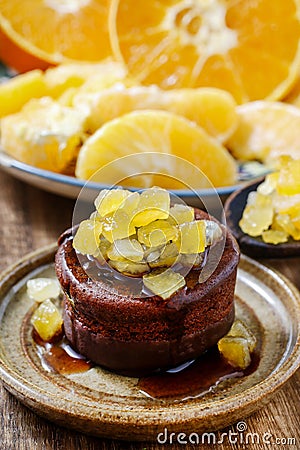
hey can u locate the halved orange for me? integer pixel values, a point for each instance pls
(153, 137)
(17, 58)
(250, 48)
(293, 95)
(58, 30)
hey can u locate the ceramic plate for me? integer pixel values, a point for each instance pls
(104, 404)
(68, 186)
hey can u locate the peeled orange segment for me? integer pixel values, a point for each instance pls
(211, 108)
(82, 81)
(88, 78)
(66, 98)
(56, 81)
(15, 92)
(43, 134)
(250, 49)
(102, 105)
(56, 30)
(60, 78)
(68, 75)
(109, 74)
(160, 133)
(266, 131)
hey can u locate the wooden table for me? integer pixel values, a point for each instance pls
(30, 219)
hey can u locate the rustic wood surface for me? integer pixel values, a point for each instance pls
(30, 219)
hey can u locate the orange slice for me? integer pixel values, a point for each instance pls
(250, 48)
(58, 30)
(15, 92)
(75, 75)
(160, 133)
(211, 108)
(43, 134)
(266, 131)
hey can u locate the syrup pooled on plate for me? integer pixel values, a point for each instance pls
(195, 379)
(190, 380)
(59, 357)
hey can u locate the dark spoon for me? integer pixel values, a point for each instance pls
(254, 246)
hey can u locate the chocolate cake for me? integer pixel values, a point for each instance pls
(135, 335)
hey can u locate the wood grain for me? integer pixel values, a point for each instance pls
(30, 219)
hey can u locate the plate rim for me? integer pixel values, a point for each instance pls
(260, 392)
(8, 163)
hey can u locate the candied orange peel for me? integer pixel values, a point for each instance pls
(142, 234)
(273, 211)
(238, 345)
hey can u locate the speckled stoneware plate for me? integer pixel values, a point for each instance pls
(109, 405)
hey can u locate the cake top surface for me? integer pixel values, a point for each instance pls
(146, 236)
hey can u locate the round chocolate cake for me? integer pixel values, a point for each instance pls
(135, 335)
